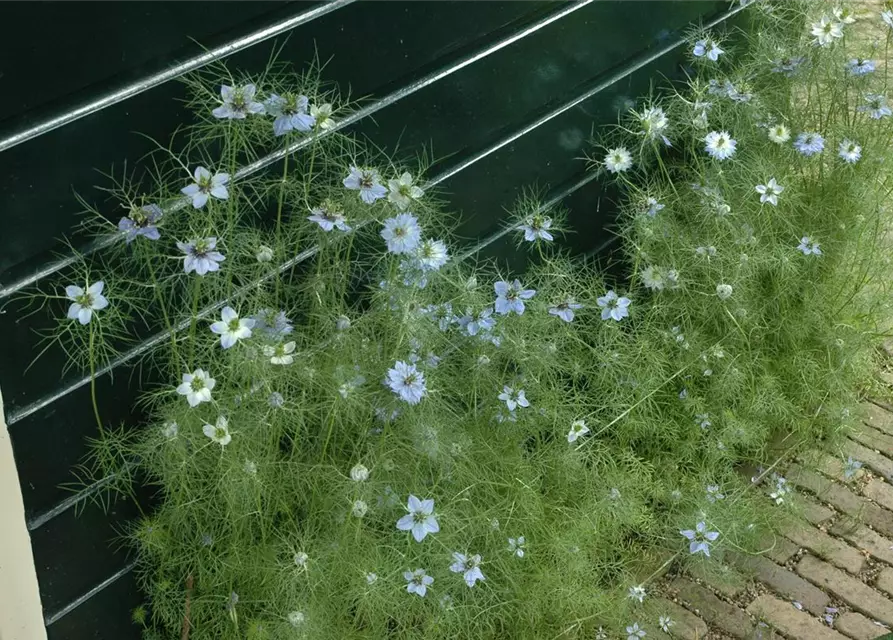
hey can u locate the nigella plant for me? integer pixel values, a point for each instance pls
(353, 413)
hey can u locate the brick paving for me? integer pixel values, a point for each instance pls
(829, 576)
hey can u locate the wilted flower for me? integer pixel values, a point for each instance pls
(618, 160)
(699, 539)
(517, 546)
(578, 428)
(359, 508)
(613, 307)
(513, 398)
(849, 151)
(231, 328)
(851, 467)
(402, 233)
(296, 618)
(141, 222)
(420, 520)
(826, 31)
(301, 560)
(474, 324)
(418, 582)
(724, 291)
(708, 251)
(707, 48)
(367, 182)
(276, 400)
(170, 430)
(652, 206)
(205, 186)
(877, 106)
(431, 255)
(809, 247)
(536, 227)
(219, 432)
(402, 191)
(511, 297)
(371, 578)
(665, 623)
(844, 15)
(809, 143)
(636, 593)
(830, 612)
(196, 387)
(788, 65)
(359, 473)
(407, 382)
(654, 124)
(290, 113)
(781, 489)
(238, 102)
(703, 420)
(769, 192)
(201, 255)
(887, 17)
(274, 325)
(719, 145)
(84, 303)
(565, 310)
(469, 567)
(779, 134)
(264, 254)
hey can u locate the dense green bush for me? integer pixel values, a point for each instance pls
(569, 434)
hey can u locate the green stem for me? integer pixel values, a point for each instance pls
(279, 248)
(196, 291)
(93, 379)
(161, 303)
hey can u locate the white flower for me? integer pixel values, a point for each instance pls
(849, 151)
(618, 160)
(420, 519)
(809, 246)
(844, 15)
(231, 328)
(516, 546)
(359, 508)
(578, 428)
(219, 432)
(636, 593)
(665, 623)
(826, 31)
(296, 618)
(323, 115)
(170, 430)
(779, 134)
(205, 186)
(536, 227)
(654, 124)
(468, 567)
(431, 255)
(402, 191)
(264, 254)
(359, 473)
(196, 387)
(719, 145)
(769, 192)
(707, 48)
(250, 467)
(402, 233)
(513, 399)
(418, 582)
(301, 559)
(887, 17)
(724, 291)
(84, 303)
(280, 354)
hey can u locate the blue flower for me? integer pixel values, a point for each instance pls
(713, 493)
(84, 303)
(809, 247)
(276, 400)
(789, 66)
(407, 382)
(420, 520)
(860, 66)
(877, 106)
(238, 102)
(205, 186)
(613, 307)
(469, 567)
(852, 466)
(536, 227)
(141, 222)
(707, 48)
(201, 255)
(442, 314)
(809, 143)
(700, 539)
(290, 111)
(652, 206)
(367, 182)
(480, 323)
(402, 233)
(511, 297)
(633, 632)
(565, 310)
(273, 324)
(431, 255)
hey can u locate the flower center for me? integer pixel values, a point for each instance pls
(409, 381)
(85, 299)
(234, 325)
(366, 181)
(219, 433)
(197, 384)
